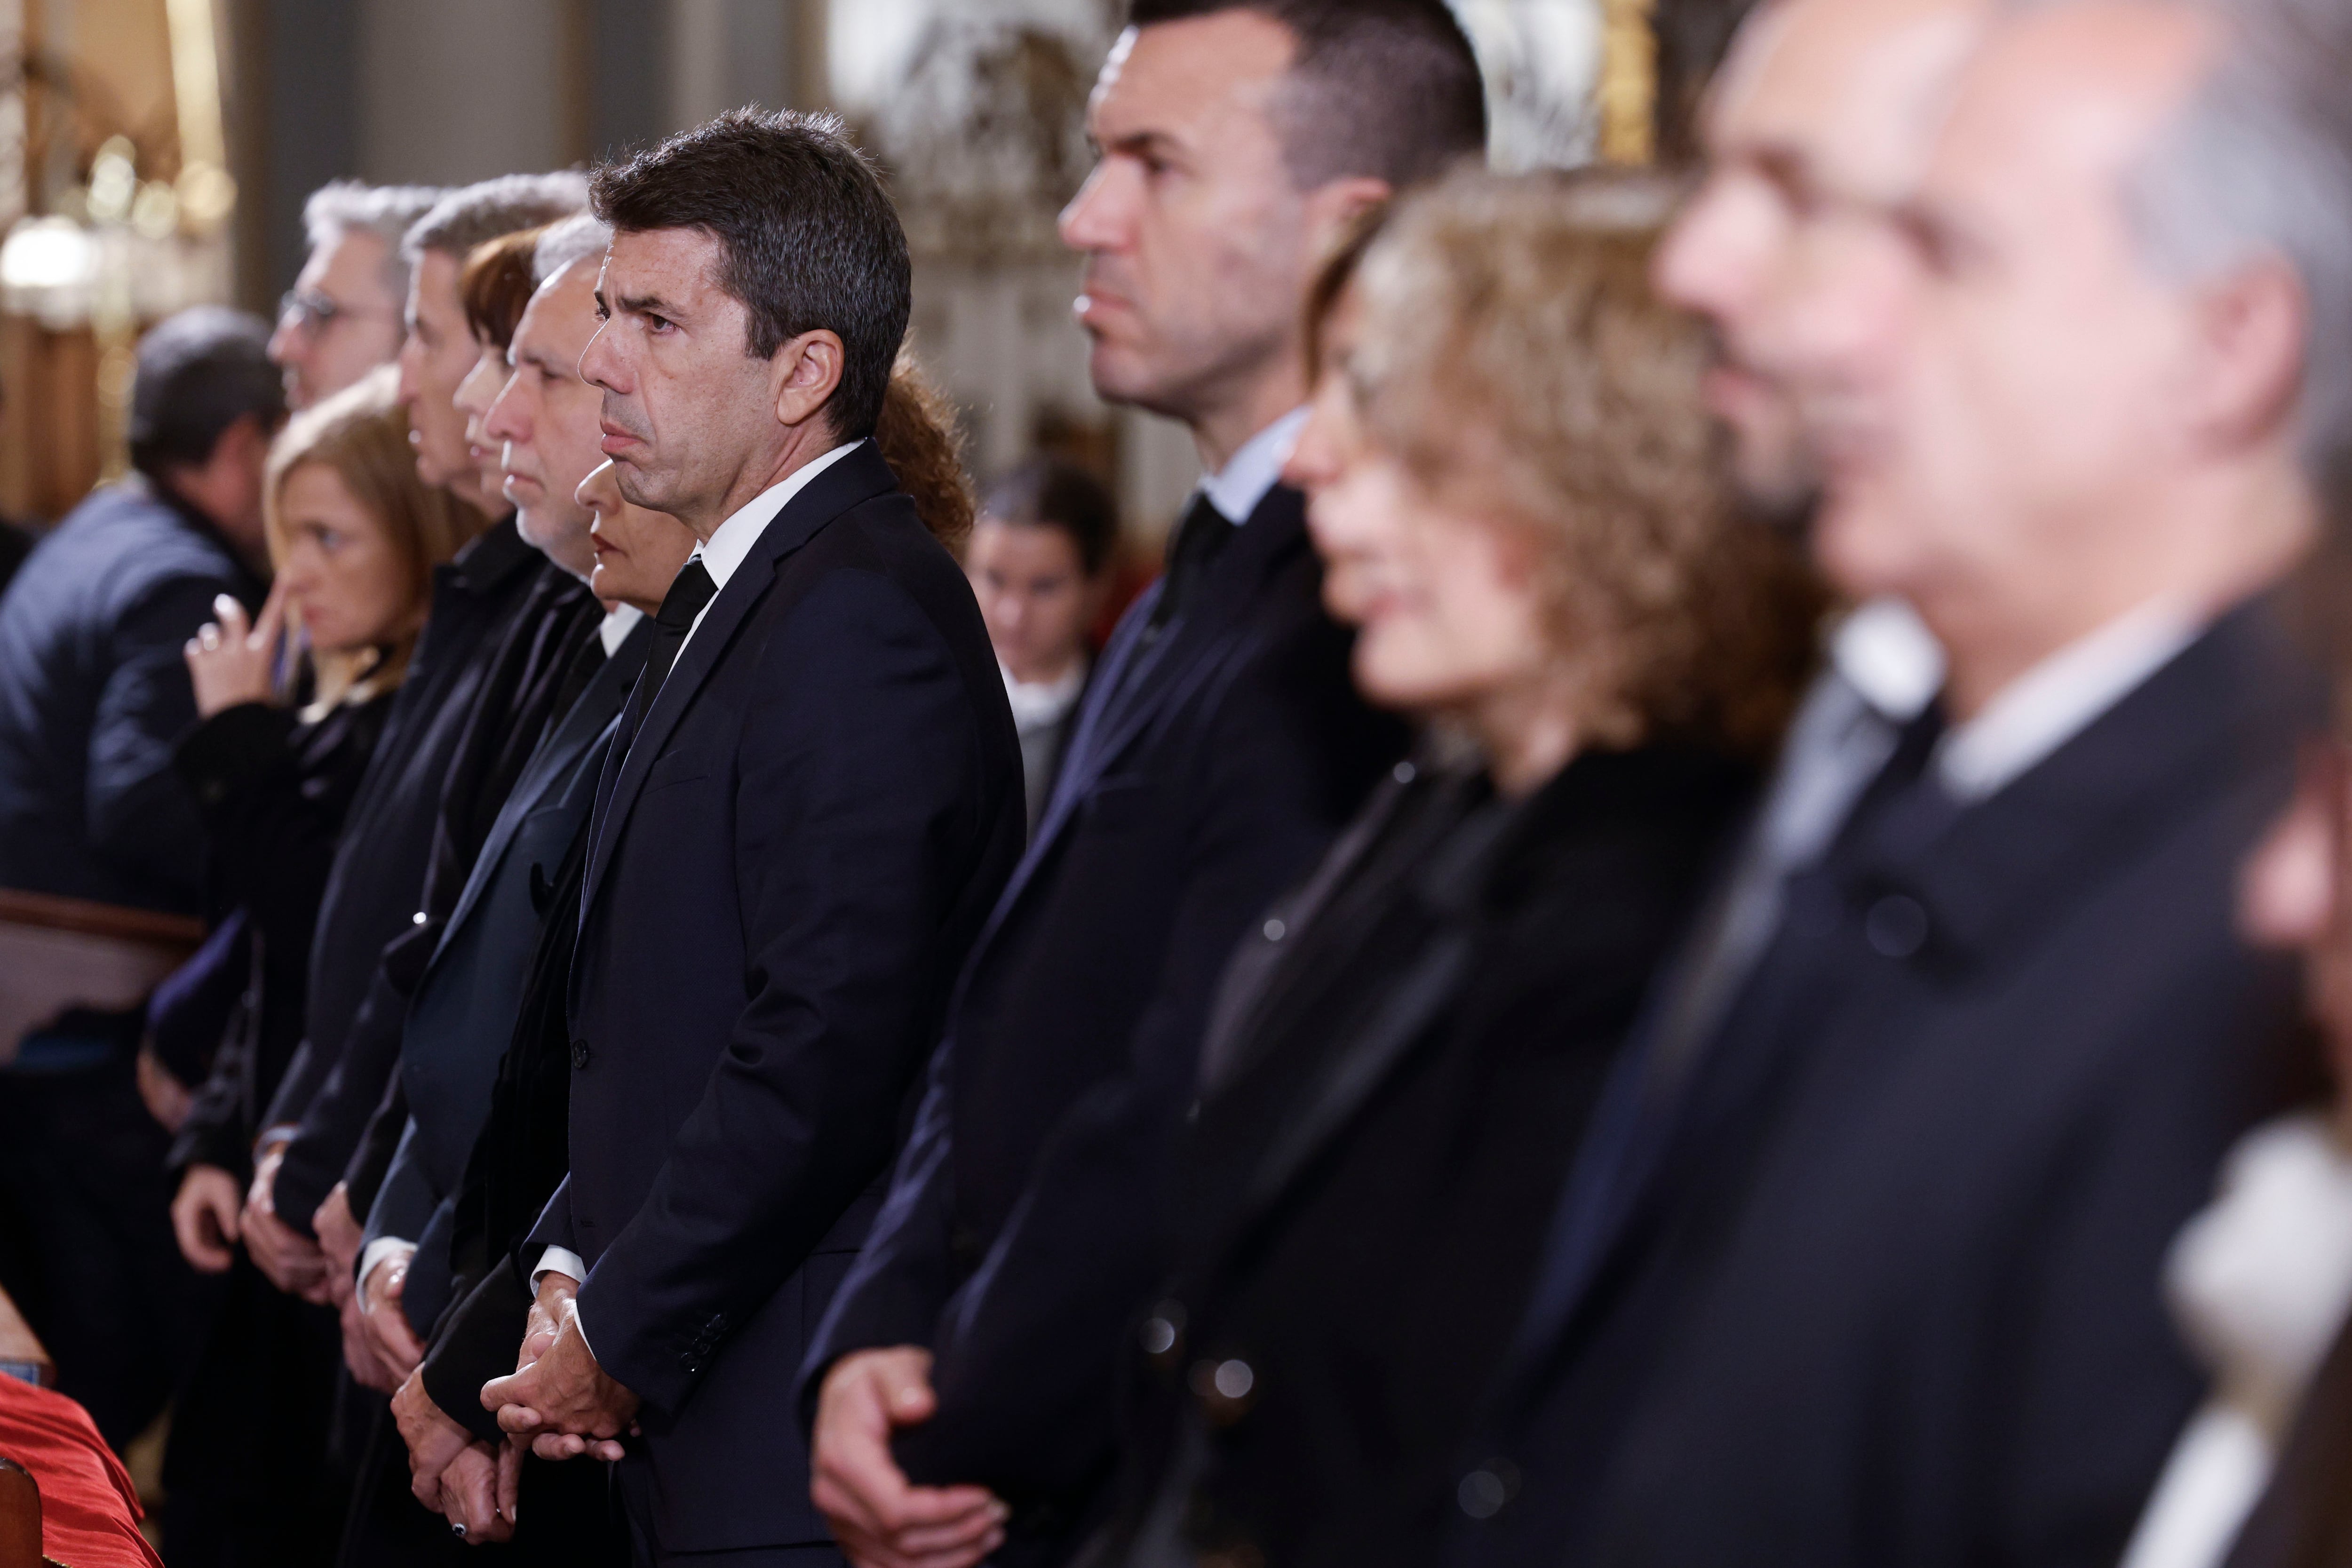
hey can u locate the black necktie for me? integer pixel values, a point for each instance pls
(587, 658)
(688, 593)
(1200, 536)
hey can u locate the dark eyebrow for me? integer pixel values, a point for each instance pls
(541, 360)
(1143, 144)
(644, 305)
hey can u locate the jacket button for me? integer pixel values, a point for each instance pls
(1484, 1490)
(1896, 927)
(1223, 1389)
(579, 1055)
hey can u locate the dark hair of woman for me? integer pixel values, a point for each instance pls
(918, 436)
(497, 283)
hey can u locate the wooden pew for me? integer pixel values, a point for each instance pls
(57, 954)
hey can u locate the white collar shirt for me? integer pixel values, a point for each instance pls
(615, 628)
(2058, 699)
(1236, 488)
(729, 545)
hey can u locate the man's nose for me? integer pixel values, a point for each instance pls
(1092, 219)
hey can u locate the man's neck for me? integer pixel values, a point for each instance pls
(800, 445)
(2229, 537)
(1221, 431)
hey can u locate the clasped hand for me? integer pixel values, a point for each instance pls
(558, 1399)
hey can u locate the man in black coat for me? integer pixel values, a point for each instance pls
(1218, 749)
(812, 804)
(441, 777)
(1887, 1286)
(94, 695)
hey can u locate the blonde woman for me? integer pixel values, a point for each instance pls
(290, 708)
(1513, 484)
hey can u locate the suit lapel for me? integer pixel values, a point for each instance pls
(857, 477)
(1139, 683)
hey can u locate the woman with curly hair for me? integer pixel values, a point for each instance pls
(1515, 489)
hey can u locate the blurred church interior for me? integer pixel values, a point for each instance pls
(156, 153)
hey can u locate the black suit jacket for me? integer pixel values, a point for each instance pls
(465, 1005)
(1403, 1060)
(1897, 1300)
(503, 623)
(1211, 769)
(785, 871)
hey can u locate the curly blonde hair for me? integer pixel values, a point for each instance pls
(1513, 353)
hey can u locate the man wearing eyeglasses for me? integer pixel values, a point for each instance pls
(342, 317)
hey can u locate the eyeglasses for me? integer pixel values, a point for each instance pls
(308, 311)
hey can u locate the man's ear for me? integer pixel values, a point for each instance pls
(1334, 204)
(804, 373)
(2252, 332)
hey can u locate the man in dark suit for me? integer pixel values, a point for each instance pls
(518, 1158)
(812, 804)
(94, 695)
(1879, 1281)
(503, 625)
(471, 990)
(1218, 749)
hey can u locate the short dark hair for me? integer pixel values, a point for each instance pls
(495, 284)
(199, 373)
(1389, 89)
(809, 237)
(1050, 493)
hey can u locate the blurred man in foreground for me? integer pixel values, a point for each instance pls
(1905, 1294)
(342, 317)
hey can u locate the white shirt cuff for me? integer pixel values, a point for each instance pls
(563, 1260)
(376, 1251)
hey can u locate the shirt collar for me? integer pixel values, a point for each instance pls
(1885, 652)
(731, 542)
(2058, 699)
(1237, 488)
(618, 622)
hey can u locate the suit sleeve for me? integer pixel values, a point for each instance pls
(1286, 762)
(139, 816)
(857, 809)
(404, 1201)
(333, 1124)
(901, 1279)
(476, 1341)
(2098, 1381)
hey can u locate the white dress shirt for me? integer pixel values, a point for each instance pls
(1237, 488)
(2260, 1283)
(727, 547)
(2058, 699)
(618, 622)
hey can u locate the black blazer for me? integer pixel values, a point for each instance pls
(1406, 1054)
(785, 871)
(274, 791)
(464, 1014)
(94, 694)
(481, 696)
(1211, 769)
(1897, 1300)
(518, 1160)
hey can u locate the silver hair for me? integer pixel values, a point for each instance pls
(576, 238)
(347, 206)
(2259, 164)
(474, 214)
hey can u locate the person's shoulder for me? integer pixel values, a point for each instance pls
(139, 541)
